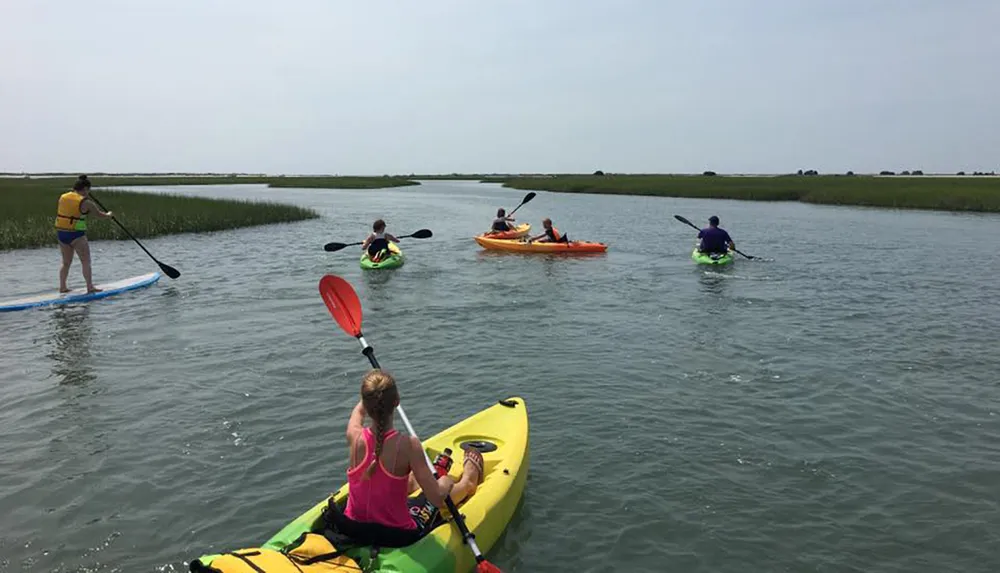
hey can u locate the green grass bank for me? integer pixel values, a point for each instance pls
(969, 193)
(28, 207)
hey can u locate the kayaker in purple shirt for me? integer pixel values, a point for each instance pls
(714, 239)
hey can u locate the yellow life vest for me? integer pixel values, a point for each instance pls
(69, 217)
(310, 553)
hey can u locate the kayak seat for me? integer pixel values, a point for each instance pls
(347, 532)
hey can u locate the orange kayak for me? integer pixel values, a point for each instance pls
(521, 246)
(515, 233)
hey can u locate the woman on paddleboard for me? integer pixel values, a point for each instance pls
(71, 230)
(385, 467)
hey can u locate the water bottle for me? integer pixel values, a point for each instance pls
(442, 463)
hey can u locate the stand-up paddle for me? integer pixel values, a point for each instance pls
(344, 305)
(333, 247)
(167, 269)
(695, 227)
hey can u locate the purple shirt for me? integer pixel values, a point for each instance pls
(714, 240)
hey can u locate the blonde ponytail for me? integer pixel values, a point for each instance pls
(379, 396)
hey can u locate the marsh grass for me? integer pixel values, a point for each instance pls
(925, 192)
(28, 209)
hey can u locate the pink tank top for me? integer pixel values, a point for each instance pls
(382, 497)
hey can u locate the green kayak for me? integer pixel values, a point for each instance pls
(712, 259)
(395, 259)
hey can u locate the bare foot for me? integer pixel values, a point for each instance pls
(63, 290)
(92, 290)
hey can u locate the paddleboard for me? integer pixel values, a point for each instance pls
(81, 294)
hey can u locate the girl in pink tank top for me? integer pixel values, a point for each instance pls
(385, 466)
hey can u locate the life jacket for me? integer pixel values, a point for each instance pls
(553, 234)
(376, 247)
(500, 224)
(310, 553)
(69, 217)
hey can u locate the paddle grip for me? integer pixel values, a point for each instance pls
(369, 352)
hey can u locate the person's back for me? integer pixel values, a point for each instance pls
(378, 490)
(377, 244)
(714, 239)
(500, 223)
(385, 467)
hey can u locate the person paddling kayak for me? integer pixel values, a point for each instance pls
(385, 467)
(501, 223)
(551, 234)
(71, 231)
(714, 239)
(378, 241)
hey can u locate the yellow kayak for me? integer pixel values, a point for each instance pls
(515, 233)
(522, 246)
(500, 432)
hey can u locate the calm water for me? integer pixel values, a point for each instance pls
(836, 408)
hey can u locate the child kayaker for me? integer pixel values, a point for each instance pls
(714, 239)
(378, 241)
(500, 224)
(385, 467)
(551, 234)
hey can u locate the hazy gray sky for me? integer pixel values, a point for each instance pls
(368, 86)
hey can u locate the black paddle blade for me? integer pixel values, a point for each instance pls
(333, 247)
(685, 221)
(169, 270)
(528, 197)
(422, 234)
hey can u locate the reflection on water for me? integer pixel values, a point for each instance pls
(72, 334)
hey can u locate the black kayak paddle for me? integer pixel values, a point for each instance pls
(333, 247)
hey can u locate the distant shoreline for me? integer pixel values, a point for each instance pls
(948, 193)
(977, 192)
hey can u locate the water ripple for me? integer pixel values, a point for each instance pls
(834, 407)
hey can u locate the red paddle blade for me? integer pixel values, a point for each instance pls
(342, 302)
(487, 567)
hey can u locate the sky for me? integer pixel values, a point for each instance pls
(501, 86)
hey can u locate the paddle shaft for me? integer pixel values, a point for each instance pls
(527, 198)
(369, 352)
(141, 246)
(333, 247)
(695, 227)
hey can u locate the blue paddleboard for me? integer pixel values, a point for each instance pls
(80, 295)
